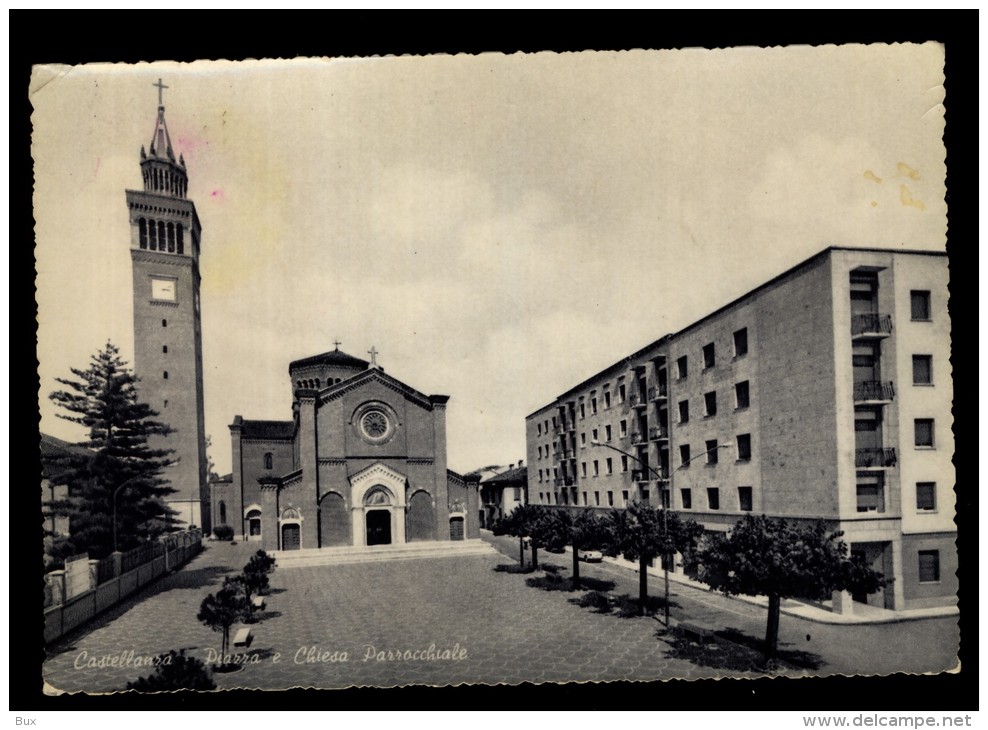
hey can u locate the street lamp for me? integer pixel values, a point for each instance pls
(116, 491)
(665, 508)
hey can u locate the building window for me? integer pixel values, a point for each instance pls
(268, 461)
(554, 422)
(708, 356)
(622, 393)
(710, 403)
(610, 498)
(713, 498)
(584, 499)
(684, 454)
(540, 429)
(607, 400)
(583, 440)
(164, 323)
(596, 468)
(686, 497)
(583, 411)
(593, 405)
(623, 428)
(924, 433)
(920, 305)
(741, 342)
(744, 447)
(609, 463)
(870, 493)
(555, 473)
(922, 370)
(684, 411)
(166, 375)
(929, 566)
(596, 499)
(518, 494)
(711, 451)
(594, 435)
(741, 394)
(607, 432)
(624, 497)
(624, 463)
(583, 469)
(540, 476)
(540, 452)
(181, 238)
(744, 499)
(682, 368)
(222, 512)
(164, 349)
(926, 497)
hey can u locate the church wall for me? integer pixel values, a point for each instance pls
(439, 469)
(252, 467)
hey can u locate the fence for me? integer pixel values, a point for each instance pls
(112, 579)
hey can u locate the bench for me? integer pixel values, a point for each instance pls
(258, 602)
(243, 637)
(691, 631)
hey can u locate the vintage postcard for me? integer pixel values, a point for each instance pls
(494, 369)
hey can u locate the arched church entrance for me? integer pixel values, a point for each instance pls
(378, 503)
(291, 537)
(253, 525)
(378, 527)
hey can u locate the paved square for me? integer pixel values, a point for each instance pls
(444, 620)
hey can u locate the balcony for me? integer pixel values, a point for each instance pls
(867, 326)
(635, 400)
(874, 391)
(570, 425)
(569, 482)
(559, 429)
(640, 475)
(656, 393)
(880, 458)
(657, 433)
(636, 438)
(557, 482)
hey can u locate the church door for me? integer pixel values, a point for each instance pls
(290, 537)
(379, 527)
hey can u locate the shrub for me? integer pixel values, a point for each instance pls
(175, 671)
(223, 532)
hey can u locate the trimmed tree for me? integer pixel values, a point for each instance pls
(114, 460)
(175, 670)
(764, 556)
(525, 520)
(581, 531)
(221, 610)
(644, 533)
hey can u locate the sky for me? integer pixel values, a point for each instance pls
(498, 227)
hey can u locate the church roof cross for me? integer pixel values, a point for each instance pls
(337, 343)
(161, 88)
(373, 353)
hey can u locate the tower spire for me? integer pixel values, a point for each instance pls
(163, 174)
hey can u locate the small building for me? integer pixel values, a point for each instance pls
(362, 462)
(501, 490)
(53, 450)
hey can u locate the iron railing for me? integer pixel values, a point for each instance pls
(879, 324)
(875, 457)
(882, 390)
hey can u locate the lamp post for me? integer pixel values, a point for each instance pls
(116, 491)
(665, 508)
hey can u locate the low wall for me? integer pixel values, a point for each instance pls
(59, 620)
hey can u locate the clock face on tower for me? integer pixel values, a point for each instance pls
(163, 289)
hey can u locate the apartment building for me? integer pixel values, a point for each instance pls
(825, 393)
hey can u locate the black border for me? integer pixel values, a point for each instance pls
(186, 36)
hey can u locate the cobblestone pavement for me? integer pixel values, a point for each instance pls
(446, 621)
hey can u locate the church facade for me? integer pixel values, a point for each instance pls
(361, 463)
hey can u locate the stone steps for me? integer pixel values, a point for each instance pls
(380, 553)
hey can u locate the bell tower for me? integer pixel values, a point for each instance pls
(164, 251)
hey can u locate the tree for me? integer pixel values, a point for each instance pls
(644, 533)
(114, 460)
(220, 610)
(261, 562)
(175, 670)
(764, 556)
(525, 520)
(582, 531)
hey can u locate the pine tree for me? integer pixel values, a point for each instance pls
(115, 458)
